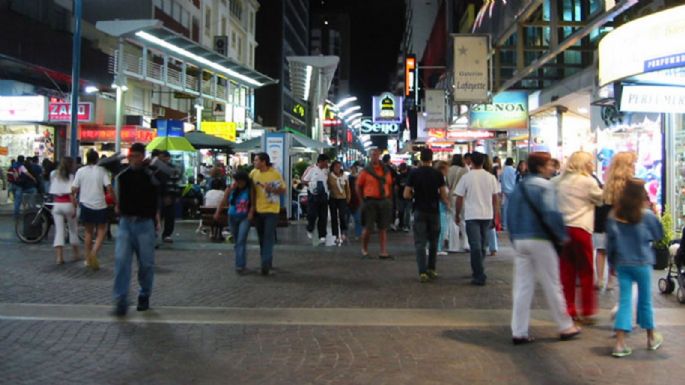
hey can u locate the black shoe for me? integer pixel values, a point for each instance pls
(265, 271)
(241, 271)
(522, 340)
(476, 282)
(143, 303)
(120, 310)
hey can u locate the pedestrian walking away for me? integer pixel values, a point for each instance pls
(535, 225)
(268, 188)
(64, 209)
(137, 205)
(168, 177)
(375, 186)
(444, 210)
(631, 229)
(339, 189)
(316, 180)
(239, 197)
(90, 184)
(403, 205)
(24, 183)
(355, 201)
(508, 182)
(456, 235)
(427, 187)
(477, 192)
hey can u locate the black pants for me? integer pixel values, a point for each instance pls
(338, 215)
(317, 209)
(169, 217)
(426, 230)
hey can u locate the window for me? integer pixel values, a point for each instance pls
(240, 48)
(185, 19)
(208, 21)
(237, 9)
(233, 39)
(250, 53)
(251, 30)
(223, 26)
(177, 12)
(158, 4)
(167, 7)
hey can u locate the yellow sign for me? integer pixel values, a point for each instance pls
(225, 130)
(651, 43)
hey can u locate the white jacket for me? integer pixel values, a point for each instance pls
(577, 197)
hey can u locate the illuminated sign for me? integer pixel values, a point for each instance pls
(224, 130)
(387, 108)
(469, 134)
(435, 109)
(129, 134)
(299, 110)
(332, 122)
(653, 99)
(23, 108)
(409, 75)
(371, 128)
(508, 111)
(651, 43)
(61, 112)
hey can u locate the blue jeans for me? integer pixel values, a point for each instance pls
(477, 231)
(18, 196)
(135, 235)
(442, 218)
(357, 216)
(240, 227)
(645, 313)
(266, 231)
(426, 230)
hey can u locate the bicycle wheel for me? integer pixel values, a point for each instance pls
(32, 227)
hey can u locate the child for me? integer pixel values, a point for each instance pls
(239, 196)
(630, 230)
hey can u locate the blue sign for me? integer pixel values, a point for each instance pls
(167, 127)
(665, 62)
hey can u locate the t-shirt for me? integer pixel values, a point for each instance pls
(137, 192)
(267, 202)
(91, 181)
(316, 177)
(370, 186)
(241, 208)
(213, 198)
(426, 182)
(59, 186)
(477, 188)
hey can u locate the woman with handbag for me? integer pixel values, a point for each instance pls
(536, 226)
(63, 209)
(578, 195)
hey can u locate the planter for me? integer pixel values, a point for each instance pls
(661, 257)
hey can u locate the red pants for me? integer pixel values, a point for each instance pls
(576, 261)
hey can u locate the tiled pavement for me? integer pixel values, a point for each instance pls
(211, 326)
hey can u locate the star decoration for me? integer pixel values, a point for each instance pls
(462, 50)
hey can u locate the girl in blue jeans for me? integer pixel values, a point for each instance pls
(239, 198)
(630, 230)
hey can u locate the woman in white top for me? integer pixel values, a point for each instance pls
(578, 195)
(63, 209)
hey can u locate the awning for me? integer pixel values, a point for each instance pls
(252, 145)
(297, 141)
(311, 76)
(170, 143)
(201, 140)
(308, 143)
(154, 34)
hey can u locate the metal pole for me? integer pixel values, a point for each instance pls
(118, 120)
(75, 75)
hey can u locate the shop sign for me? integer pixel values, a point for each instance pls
(4, 150)
(371, 128)
(61, 112)
(298, 110)
(653, 99)
(387, 108)
(23, 108)
(224, 130)
(471, 80)
(435, 109)
(441, 146)
(469, 134)
(651, 43)
(332, 122)
(508, 111)
(409, 76)
(129, 134)
(169, 127)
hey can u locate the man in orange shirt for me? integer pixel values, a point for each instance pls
(374, 186)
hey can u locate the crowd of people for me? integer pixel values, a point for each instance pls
(564, 225)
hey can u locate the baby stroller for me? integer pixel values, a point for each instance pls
(676, 272)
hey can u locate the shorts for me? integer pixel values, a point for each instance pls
(89, 215)
(378, 212)
(599, 241)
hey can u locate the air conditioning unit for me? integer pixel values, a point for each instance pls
(221, 45)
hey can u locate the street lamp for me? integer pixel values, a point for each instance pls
(199, 106)
(120, 85)
(349, 111)
(91, 89)
(346, 101)
(353, 117)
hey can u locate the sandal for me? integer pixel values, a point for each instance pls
(656, 341)
(522, 340)
(365, 255)
(622, 353)
(569, 336)
(388, 257)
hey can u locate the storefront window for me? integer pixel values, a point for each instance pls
(27, 140)
(678, 128)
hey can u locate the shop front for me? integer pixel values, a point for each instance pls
(102, 137)
(24, 129)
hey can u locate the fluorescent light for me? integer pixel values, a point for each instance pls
(349, 110)
(91, 89)
(583, 110)
(346, 101)
(123, 87)
(155, 40)
(353, 116)
(307, 81)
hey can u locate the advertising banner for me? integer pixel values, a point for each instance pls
(61, 112)
(471, 76)
(653, 99)
(508, 111)
(387, 108)
(435, 109)
(23, 108)
(275, 147)
(370, 128)
(224, 130)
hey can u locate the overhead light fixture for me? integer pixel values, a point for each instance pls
(583, 110)
(91, 89)
(353, 116)
(123, 87)
(155, 40)
(349, 111)
(346, 101)
(307, 81)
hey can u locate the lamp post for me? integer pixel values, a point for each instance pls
(75, 75)
(120, 86)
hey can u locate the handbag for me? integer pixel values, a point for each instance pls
(556, 242)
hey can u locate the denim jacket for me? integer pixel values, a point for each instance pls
(522, 221)
(630, 244)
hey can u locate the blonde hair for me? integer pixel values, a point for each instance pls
(441, 165)
(578, 163)
(621, 170)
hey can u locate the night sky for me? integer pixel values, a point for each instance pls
(377, 28)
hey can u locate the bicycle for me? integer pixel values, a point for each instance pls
(35, 220)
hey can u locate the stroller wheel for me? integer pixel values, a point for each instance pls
(666, 285)
(680, 294)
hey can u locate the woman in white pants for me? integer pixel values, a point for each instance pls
(64, 208)
(534, 223)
